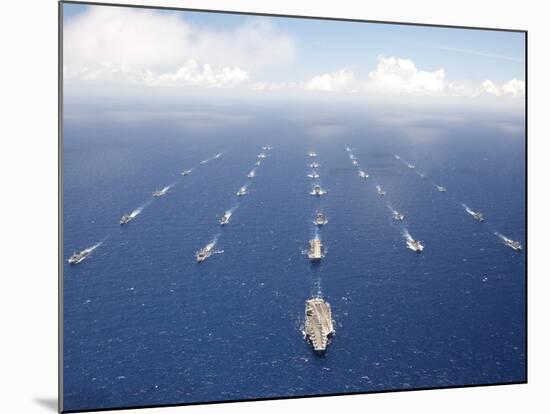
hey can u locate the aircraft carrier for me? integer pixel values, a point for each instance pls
(318, 326)
(315, 252)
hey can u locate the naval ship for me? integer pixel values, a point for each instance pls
(320, 219)
(160, 193)
(204, 162)
(203, 253)
(242, 191)
(477, 215)
(318, 326)
(348, 149)
(252, 174)
(314, 165)
(411, 166)
(512, 243)
(441, 189)
(312, 154)
(313, 174)
(397, 216)
(380, 192)
(397, 157)
(76, 258)
(355, 163)
(125, 219)
(225, 218)
(315, 252)
(414, 245)
(186, 172)
(363, 174)
(318, 191)
(262, 155)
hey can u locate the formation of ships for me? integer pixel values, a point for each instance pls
(318, 323)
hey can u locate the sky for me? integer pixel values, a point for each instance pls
(108, 46)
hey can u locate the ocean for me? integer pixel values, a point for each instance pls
(144, 324)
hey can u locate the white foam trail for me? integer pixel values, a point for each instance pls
(92, 248)
(217, 155)
(468, 209)
(138, 210)
(391, 209)
(407, 235)
(213, 243)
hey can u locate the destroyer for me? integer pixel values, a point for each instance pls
(363, 174)
(512, 243)
(318, 191)
(76, 258)
(477, 215)
(320, 219)
(160, 193)
(380, 192)
(398, 216)
(318, 326)
(315, 252)
(242, 191)
(414, 245)
(441, 189)
(125, 219)
(203, 253)
(225, 218)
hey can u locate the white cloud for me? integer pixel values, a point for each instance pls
(158, 48)
(401, 76)
(343, 80)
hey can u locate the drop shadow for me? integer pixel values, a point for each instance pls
(49, 403)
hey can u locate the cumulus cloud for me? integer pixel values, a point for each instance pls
(401, 76)
(160, 48)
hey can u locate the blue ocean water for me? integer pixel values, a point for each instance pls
(144, 324)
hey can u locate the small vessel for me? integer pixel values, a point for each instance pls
(225, 218)
(252, 174)
(262, 155)
(203, 254)
(312, 154)
(398, 216)
(512, 243)
(441, 189)
(411, 166)
(314, 165)
(380, 192)
(414, 245)
(125, 219)
(242, 191)
(318, 325)
(160, 193)
(320, 219)
(186, 172)
(78, 257)
(318, 191)
(313, 174)
(315, 252)
(363, 174)
(477, 215)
